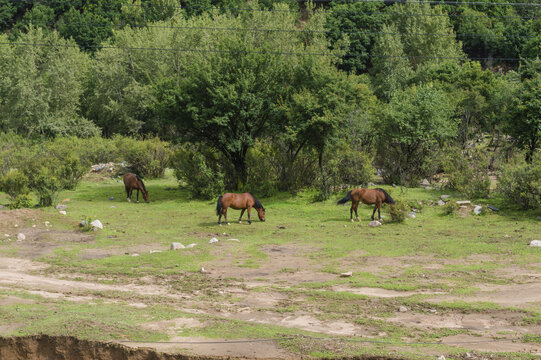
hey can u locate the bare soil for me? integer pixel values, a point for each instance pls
(287, 266)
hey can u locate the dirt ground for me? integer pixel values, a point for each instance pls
(24, 272)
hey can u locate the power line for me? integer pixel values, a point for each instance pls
(122, 25)
(425, 2)
(263, 52)
(288, 11)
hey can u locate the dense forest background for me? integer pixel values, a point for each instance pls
(272, 95)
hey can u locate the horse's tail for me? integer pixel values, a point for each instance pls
(219, 206)
(142, 183)
(345, 199)
(388, 198)
(258, 204)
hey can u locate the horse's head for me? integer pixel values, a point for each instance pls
(145, 196)
(261, 213)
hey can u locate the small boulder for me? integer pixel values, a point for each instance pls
(402, 308)
(176, 246)
(190, 245)
(82, 223)
(425, 182)
(61, 207)
(63, 212)
(21, 237)
(135, 254)
(493, 208)
(441, 202)
(154, 251)
(411, 215)
(441, 357)
(96, 224)
(203, 271)
(213, 240)
(346, 274)
(477, 209)
(443, 197)
(535, 243)
(374, 223)
(463, 202)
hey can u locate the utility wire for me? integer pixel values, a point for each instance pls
(261, 52)
(285, 10)
(423, 2)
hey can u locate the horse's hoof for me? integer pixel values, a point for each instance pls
(137, 202)
(128, 200)
(249, 222)
(240, 222)
(219, 224)
(351, 220)
(359, 220)
(228, 223)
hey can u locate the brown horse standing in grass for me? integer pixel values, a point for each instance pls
(367, 196)
(242, 202)
(131, 182)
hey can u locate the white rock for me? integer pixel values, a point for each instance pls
(46, 223)
(346, 274)
(374, 223)
(21, 237)
(135, 254)
(6, 235)
(441, 357)
(477, 209)
(190, 245)
(213, 240)
(425, 182)
(203, 271)
(443, 197)
(463, 202)
(412, 215)
(402, 309)
(16, 225)
(61, 207)
(154, 251)
(62, 212)
(176, 246)
(34, 225)
(441, 202)
(535, 243)
(97, 224)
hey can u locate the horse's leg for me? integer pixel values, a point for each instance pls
(357, 215)
(220, 219)
(225, 216)
(379, 208)
(373, 212)
(249, 221)
(128, 194)
(351, 212)
(137, 194)
(241, 213)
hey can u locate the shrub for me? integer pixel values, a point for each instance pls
(450, 208)
(14, 183)
(147, 158)
(199, 172)
(262, 178)
(467, 172)
(46, 185)
(398, 211)
(21, 201)
(521, 185)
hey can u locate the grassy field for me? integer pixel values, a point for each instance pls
(457, 278)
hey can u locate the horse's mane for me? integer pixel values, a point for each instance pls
(142, 183)
(388, 198)
(258, 204)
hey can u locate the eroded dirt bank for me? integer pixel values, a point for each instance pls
(45, 347)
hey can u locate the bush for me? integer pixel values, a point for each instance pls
(262, 178)
(147, 158)
(521, 185)
(467, 173)
(199, 171)
(14, 183)
(46, 185)
(21, 201)
(398, 211)
(450, 208)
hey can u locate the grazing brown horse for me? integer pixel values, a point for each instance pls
(243, 201)
(131, 182)
(367, 196)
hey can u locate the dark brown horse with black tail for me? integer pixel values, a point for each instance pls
(367, 196)
(239, 202)
(134, 182)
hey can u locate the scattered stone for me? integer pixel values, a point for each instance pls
(493, 208)
(46, 223)
(346, 274)
(6, 235)
(61, 207)
(176, 246)
(441, 357)
(113, 207)
(419, 203)
(135, 254)
(203, 271)
(213, 240)
(441, 202)
(371, 184)
(237, 240)
(345, 226)
(82, 223)
(425, 182)
(477, 209)
(34, 225)
(190, 245)
(96, 224)
(402, 308)
(463, 202)
(63, 212)
(21, 237)
(224, 234)
(535, 243)
(506, 236)
(16, 225)
(411, 214)
(443, 197)
(394, 185)
(111, 198)
(433, 311)
(154, 251)
(374, 223)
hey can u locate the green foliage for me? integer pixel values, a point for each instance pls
(467, 172)
(262, 176)
(46, 185)
(14, 183)
(198, 171)
(20, 201)
(450, 208)
(147, 158)
(398, 211)
(521, 185)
